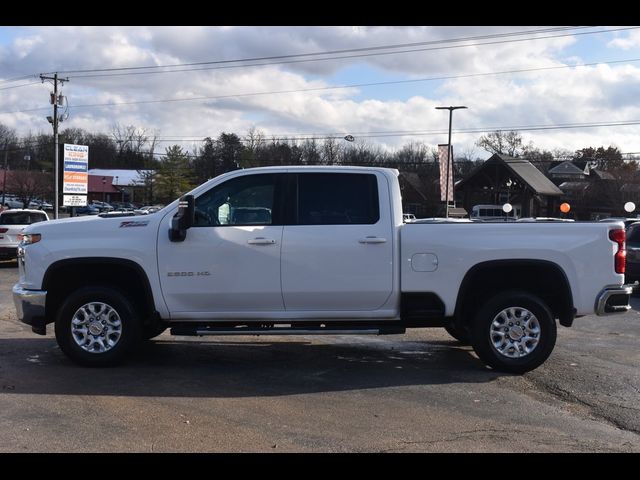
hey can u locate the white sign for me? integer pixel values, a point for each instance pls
(74, 200)
(76, 169)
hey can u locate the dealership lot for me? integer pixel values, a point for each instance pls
(419, 392)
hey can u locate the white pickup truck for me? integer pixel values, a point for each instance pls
(313, 250)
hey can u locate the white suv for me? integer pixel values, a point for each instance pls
(12, 222)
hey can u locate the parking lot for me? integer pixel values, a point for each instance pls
(419, 392)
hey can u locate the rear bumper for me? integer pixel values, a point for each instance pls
(30, 307)
(613, 299)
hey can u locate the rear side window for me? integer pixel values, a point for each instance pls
(337, 199)
(21, 218)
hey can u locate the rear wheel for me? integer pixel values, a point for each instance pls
(97, 326)
(514, 332)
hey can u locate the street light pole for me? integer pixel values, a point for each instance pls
(451, 109)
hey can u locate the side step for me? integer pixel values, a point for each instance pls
(199, 330)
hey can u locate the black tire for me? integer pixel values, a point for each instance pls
(124, 334)
(483, 338)
(462, 334)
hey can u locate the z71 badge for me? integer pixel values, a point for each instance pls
(134, 223)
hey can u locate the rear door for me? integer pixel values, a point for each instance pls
(337, 255)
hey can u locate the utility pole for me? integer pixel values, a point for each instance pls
(4, 181)
(451, 109)
(54, 122)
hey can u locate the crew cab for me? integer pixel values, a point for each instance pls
(313, 250)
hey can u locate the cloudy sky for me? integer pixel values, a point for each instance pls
(562, 87)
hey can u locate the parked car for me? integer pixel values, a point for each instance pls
(147, 209)
(408, 217)
(102, 206)
(123, 206)
(11, 201)
(40, 205)
(87, 210)
(12, 222)
(544, 219)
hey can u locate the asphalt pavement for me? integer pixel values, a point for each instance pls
(418, 392)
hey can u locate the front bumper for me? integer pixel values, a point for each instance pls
(30, 307)
(614, 299)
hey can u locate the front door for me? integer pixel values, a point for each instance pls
(229, 264)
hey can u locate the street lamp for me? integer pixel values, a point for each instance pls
(451, 109)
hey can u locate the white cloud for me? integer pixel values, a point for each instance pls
(627, 42)
(583, 94)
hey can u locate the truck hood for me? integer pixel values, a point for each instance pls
(91, 225)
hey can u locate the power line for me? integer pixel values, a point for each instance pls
(335, 87)
(351, 56)
(331, 52)
(21, 85)
(15, 79)
(409, 133)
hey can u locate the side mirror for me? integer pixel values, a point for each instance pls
(183, 220)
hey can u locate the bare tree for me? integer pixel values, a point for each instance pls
(330, 151)
(254, 140)
(29, 185)
(504, 143)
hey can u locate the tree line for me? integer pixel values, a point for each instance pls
(170, 171)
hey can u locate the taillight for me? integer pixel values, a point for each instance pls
(4, 230)
(620, 258)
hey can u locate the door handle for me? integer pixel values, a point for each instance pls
(373, 240)
(261, 241)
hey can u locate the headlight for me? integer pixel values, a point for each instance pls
(29, 238)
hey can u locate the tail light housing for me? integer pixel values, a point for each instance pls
(620, 258)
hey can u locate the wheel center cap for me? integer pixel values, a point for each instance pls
(516, 332)
(95, 328)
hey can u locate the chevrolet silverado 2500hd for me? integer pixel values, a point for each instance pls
(313, 250)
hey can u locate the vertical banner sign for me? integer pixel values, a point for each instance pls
(442, 157)
(76, 171)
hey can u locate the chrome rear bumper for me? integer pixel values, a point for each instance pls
(613, 299)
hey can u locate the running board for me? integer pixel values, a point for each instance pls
(189, 330)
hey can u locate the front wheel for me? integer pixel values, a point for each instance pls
(514, 332)
(97, 326)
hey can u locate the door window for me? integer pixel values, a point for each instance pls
(246, 200)
(337, 199)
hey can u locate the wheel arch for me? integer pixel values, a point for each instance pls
(64, 276)
(541, 277)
